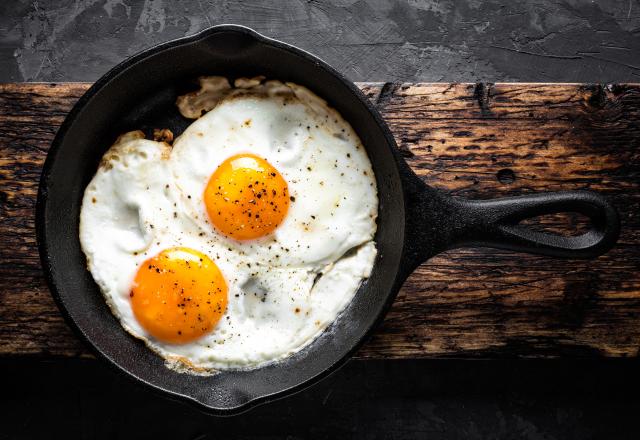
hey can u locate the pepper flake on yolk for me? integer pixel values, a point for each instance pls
(246, 197)
(179, 295)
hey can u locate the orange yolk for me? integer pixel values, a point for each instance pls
(178, 295)
(246, 197)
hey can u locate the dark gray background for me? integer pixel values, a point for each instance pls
(380, 40)
(410, 40)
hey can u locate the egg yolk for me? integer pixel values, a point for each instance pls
(246, 197)
(178, 295)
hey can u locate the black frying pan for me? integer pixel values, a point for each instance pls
(415, 221)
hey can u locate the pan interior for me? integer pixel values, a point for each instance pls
(140, 94)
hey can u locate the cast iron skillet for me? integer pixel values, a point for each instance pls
(415, 221)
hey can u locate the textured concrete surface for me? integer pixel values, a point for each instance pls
(378, 40)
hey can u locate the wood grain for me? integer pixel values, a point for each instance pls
(475, 140)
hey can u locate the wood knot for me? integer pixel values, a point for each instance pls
(579, 296)
(386, 93)
(482, 94)
(506, 176)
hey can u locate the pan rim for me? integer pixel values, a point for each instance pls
(42, 199)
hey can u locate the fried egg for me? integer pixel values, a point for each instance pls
(245, 240)
(318, 186)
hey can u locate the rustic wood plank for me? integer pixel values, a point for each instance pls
(475, 140)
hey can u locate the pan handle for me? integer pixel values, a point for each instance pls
(435, 222)
(495, 223)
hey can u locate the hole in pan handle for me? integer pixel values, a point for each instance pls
(436, 221)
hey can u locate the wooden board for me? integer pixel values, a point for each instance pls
(477, 141)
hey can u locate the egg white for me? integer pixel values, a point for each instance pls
(133, 209)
